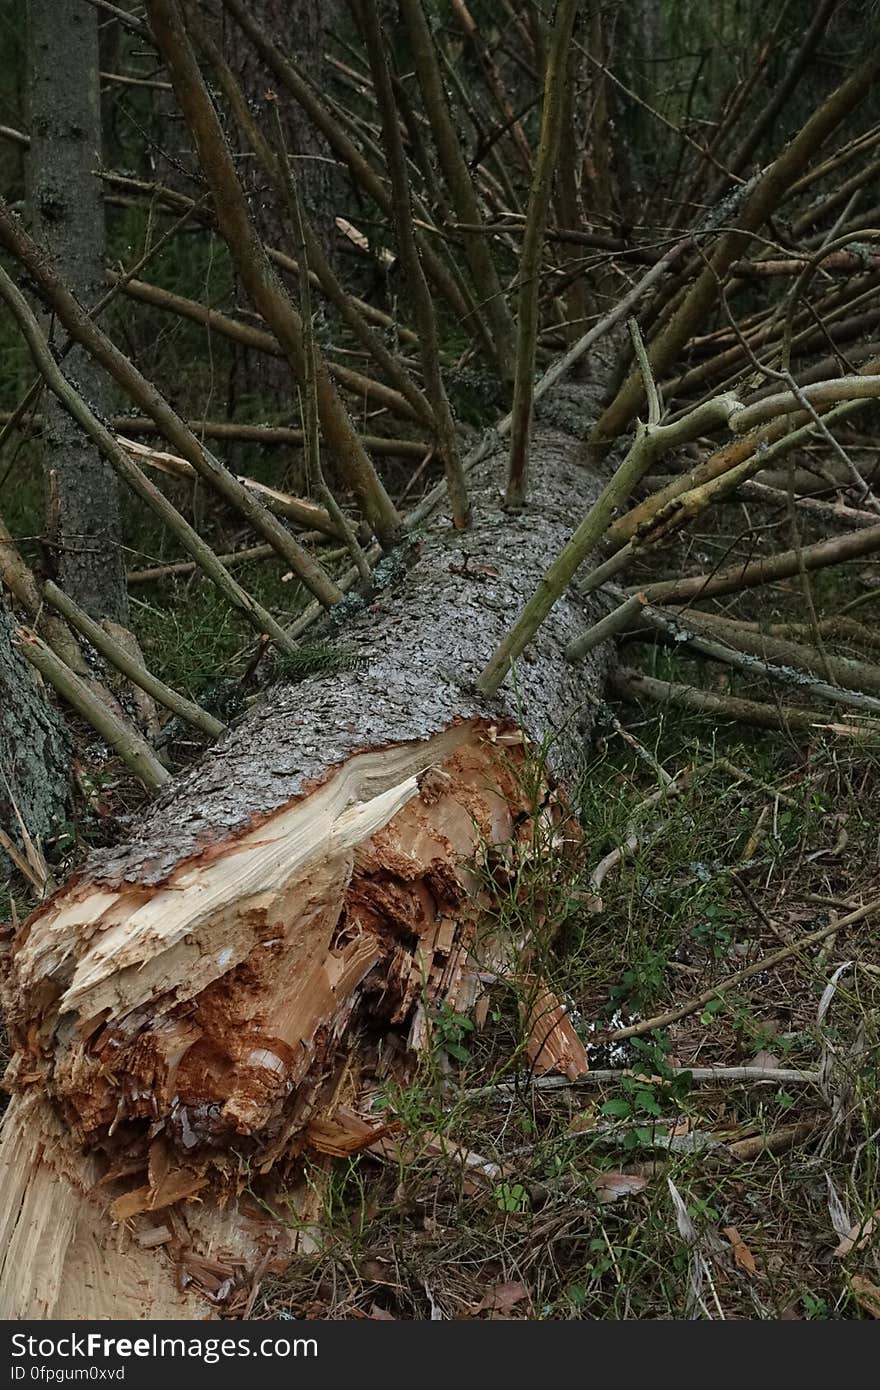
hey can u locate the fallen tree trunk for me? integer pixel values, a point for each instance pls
(199, 1010)
(34, 756)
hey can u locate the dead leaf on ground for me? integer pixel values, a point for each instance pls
(378, 1271)
(742, 1255)
(502, 1297)
(856, 1236)
(583, 1121)
(766, 1060)
(378, 1314)
(866, 1294)
(611, 1186)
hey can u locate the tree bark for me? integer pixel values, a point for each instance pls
(34, 754)
(302, 30)
(82, 497)
(198, 1009)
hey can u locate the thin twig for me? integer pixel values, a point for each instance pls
(125, 662)
(650, 1025)
(312, 440)
(604, 1076)
(122, 738)
(555, 83)
(423, 308)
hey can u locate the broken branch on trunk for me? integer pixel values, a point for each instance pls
(691, 492)
(299, 509)
(651, 441)
(121, 736)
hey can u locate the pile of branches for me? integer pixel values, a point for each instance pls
(732, 339)
(738, 327)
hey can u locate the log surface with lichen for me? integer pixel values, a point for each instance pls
(195, 1009)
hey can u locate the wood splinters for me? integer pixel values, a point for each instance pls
(553, 1045)
(201, 1015)
(194, 1015)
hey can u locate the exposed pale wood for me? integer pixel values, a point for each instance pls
(204, 1006)
(552, 1044)
(54, 1226)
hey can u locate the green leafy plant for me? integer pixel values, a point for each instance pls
(714, 930)
(714, 1006)
(652, 1091)
(511, 1197)
(450, 1031)
(815, 1308)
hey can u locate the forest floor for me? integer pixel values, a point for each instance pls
(649, 1192)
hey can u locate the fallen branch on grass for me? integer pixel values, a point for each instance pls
(740, 651)
(650, 1025)
(633, 685)
(504, 1090)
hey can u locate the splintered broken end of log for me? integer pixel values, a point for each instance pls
(178, 1043)
(204, 1015)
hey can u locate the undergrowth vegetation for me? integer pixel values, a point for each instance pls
(516, 1195)
(700, 900)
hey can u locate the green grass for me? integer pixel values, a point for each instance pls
(408, 1236)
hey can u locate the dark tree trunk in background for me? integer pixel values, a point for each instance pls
(631, 32)
(82, 497)
(306, 28)
(301, 29)
(34, 756)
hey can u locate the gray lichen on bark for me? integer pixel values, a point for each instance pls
(420, 646)
(34, 753)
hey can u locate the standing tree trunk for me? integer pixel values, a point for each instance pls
(197, 1011)
(34, 756)
(305, 30)
(301, 31)
(82, 497)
